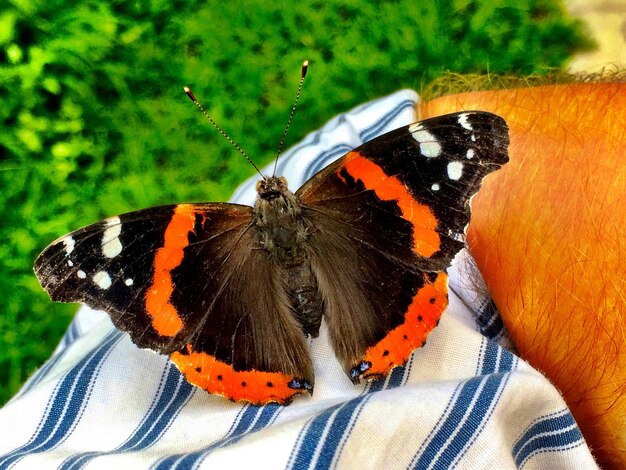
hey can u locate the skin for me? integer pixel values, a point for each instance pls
(547, 233)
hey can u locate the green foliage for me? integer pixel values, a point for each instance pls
(95, 122)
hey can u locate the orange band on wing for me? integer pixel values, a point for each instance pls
(165, 318)
(421, 317)
(426, 240)
(217, 377)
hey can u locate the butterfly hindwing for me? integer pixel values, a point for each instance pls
(389, 218)
(185, 280)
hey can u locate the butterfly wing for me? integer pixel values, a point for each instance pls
(188, 281)
(389, 218)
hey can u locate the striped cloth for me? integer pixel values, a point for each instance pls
(464, 400)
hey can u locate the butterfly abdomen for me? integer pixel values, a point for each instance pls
(305, 298)
(283, 233)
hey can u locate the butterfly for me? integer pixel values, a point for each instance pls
(231, 292)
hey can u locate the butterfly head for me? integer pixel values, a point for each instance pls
(272, 187)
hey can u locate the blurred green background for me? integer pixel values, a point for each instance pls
(95, 122)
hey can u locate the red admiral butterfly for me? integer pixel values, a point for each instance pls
(230, 292)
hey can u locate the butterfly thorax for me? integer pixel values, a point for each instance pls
(282, 233)
(278, 219)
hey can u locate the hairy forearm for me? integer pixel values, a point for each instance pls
(547, 234)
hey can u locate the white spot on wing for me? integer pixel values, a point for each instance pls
(429, 147)
(81, 274)
(455, 170)
(435, 187)
(470, 153)
(128, 282)
(69, 263)
(102, 279)
(69, 243)
(111, 245)
(465, 124)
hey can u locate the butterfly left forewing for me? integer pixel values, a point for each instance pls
(389, 217)
(112, 265)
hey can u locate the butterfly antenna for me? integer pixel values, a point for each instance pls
(220, 130)
(305, 66)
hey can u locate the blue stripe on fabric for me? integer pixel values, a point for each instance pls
(438, 440)
(41, 374)
(67, 404)
(169, 461)
(486, 315)
(397, 377)
(70, 334)
(330, 428)
(508, 362)
(435, 429)
(375, 385)
(551, 432)
(305, 432)
(174, 393)
(495, 328)
(253, 419)
(406, 369)
(490, 321)
(490, 361)
(551, 422)
(481, 355)
(174, 397)
(562, 440)
(375, 129)
(365, 135)
(315, 431)
(324, 159)
(393, 380)
(338, 431)
(468, 413)
(474, 420)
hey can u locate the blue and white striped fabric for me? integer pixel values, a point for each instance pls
(464, 400)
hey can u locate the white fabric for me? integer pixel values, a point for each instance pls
(462, 401)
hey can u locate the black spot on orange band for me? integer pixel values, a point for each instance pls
(419, 320)
(217, 377)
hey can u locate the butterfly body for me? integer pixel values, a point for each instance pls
(231, 292)
(283, 233)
